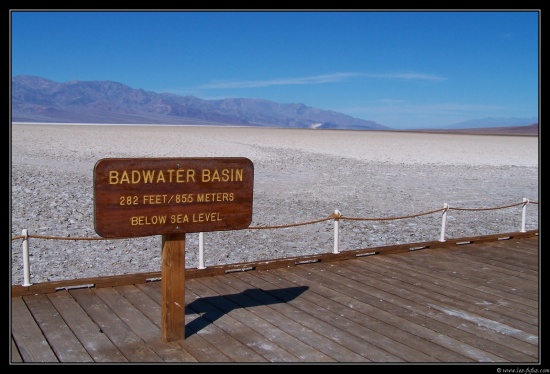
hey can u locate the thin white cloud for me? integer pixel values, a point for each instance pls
(317, 79)
(326, 78)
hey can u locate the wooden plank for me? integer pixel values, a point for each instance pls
(122, 336)
(228, 345)
(90, 335)
(97, 282)
(288, 348)
(15, 356)
(527, 250)
(254, 332)
(235, 300)
(213, 309)
(466, 342)
(491, 257)
(142, 326)
(213, 332)
(495, 254)
(524, 342)
(464, 286)
(381, 348)
(453, 318)
(65, 344)
(473, 277)
(392, 338)
(453, 292)
(33, 346)
(449, 346)
(419, 294)
(318, 342)
(333, 343)
(195, 344)
(505, 284)
(372, 345)
(530, 247)
(142, 306)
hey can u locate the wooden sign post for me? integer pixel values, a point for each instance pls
(173, 287)
(171, 197)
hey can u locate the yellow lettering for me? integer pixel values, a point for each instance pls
(125, 178)
(239, 175)
(160, 177)
(148, 176)
(190, 175)
(170, 174)
(179, 175)
(215, 216)
(136, 178)
(154, 176)
(154, 199)
(206, 217)
(205, 175)
(215, 196)
(147, 220)
(216, 176)
(225, 175)
(179, 218)
(113, 177)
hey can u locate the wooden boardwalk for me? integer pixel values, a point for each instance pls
(441, 303)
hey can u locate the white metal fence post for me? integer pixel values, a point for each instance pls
(523, 213)
(26, 267)
(444, 222)
(336, 215)
(201, 251)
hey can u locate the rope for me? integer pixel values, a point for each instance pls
(334, 216)
(391, 218)
(289, 225)
(61, 237)
(500, 207)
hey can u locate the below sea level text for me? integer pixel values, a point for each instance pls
(175, 218)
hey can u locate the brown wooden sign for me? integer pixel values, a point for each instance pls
(158, 196)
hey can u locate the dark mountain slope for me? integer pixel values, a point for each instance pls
(36, 99)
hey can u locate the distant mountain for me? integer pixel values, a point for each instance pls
(529, 130)
(494, 122)
(35, 99)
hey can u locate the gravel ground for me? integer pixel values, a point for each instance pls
(299, 176)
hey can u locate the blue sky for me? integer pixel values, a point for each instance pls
(402, 69)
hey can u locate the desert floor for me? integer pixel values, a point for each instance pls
(299, 176)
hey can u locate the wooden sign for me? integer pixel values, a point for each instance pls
(158, 196)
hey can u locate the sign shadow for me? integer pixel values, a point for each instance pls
(211, 308)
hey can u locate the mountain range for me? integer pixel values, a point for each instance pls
(494, 122)
(36, 99)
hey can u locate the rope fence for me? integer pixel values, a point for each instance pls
(336, 216)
